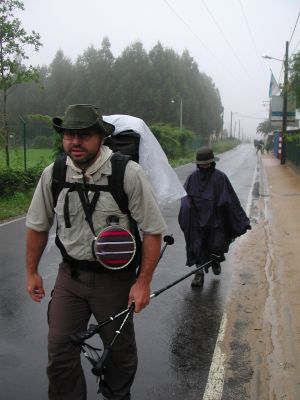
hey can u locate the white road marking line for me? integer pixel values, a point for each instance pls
(215, 381)
(214, 385)
(13, 220)
(249, 200)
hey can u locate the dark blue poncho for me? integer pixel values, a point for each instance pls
(211, 215)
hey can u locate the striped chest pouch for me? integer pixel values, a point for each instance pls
(114, 247)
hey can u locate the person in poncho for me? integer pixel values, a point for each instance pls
(211, 215)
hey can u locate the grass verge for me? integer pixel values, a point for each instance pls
(15, 205)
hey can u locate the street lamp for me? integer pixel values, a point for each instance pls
(173, 101)
(284, 92)
(271, 58)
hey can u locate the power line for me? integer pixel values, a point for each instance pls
(295, 27)
(296, 23)
(251, 36)
(295, 48)
(293, 52)
(226, 40)
(202, 43)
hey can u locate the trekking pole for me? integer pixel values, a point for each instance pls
(98, 368)
(79, 338)
(169, 240)
(215, 258)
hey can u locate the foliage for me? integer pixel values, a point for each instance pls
(13, 39)
(34, 157)
(12, 181)
(224, 145)
(16, 204)
(295, 77)
(174, 141)
(265, 127)
(137, 82)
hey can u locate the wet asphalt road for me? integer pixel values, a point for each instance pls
(176, 334)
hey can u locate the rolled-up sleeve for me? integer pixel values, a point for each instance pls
(40, 214)
(142, 203)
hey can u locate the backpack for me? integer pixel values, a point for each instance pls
(126, 142)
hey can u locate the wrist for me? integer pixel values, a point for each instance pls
(143, 280)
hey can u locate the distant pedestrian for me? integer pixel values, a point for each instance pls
(268, 147)
(211, 215)
(260, 147)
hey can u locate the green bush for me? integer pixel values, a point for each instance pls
(175, 142)
(12, 181)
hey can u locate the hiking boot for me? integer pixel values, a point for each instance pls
(216, 267)
(198, 279)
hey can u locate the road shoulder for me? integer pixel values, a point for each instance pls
(262, 338)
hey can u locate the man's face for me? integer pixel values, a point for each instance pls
(82, 146)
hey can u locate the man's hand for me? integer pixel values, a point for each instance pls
(35, 287)
(140, 291)
(139, 295)
(35, 245)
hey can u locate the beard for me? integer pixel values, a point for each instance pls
(83, 158)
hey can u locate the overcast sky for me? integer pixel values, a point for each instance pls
(225, 37)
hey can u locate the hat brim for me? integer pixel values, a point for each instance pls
(100, 126)
(204, 162)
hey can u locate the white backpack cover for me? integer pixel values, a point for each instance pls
(166, 185)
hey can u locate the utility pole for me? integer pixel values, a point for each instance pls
(231, 124)
(284, 110)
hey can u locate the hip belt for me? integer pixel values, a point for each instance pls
(85, 265)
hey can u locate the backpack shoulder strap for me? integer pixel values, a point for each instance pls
(116, 180)
(116, 183)
(58, 177)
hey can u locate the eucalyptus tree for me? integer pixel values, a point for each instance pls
(166, 82)
(13, 40)
(59, 83)
(93, 76)
(131, 92)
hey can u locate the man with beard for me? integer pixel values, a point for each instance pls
(210, 216)
(82, 286)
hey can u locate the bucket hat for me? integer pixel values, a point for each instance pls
(205, 155)
(82, 116)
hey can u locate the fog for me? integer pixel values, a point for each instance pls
(225, 38)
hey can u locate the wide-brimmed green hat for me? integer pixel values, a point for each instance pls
(80, 117)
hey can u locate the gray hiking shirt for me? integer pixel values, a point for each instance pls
(78, 239)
